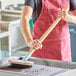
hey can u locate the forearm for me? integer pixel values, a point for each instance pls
(68, 17)
(73, 16)
(25, 28)
(72, 19)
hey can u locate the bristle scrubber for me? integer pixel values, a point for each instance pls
(19, 63)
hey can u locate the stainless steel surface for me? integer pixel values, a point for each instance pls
(54, 63)
(42, 67)
(41, 70)
(10, 73)
(37, 70)
(68, 73)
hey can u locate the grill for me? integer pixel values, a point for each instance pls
(36, 70)
(42, 67)
(39, 70)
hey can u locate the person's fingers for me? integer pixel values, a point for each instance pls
(37, 44)
(63, 14)
(38, 47)
(40, 44)
(31, 44)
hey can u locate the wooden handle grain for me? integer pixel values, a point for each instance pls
(42, 38)
(47, 32)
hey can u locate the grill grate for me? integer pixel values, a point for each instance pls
(10, 73)
(40, 70)
(36, 70)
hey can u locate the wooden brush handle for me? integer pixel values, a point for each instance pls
(47, 32)
(42, 38)
(52, 26)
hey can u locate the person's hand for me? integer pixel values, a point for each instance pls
(35, 44)
(65, 15)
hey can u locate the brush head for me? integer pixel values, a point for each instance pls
(19, 63)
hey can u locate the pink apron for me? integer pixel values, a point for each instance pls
(57, 44)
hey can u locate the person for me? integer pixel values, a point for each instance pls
(44, 12)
